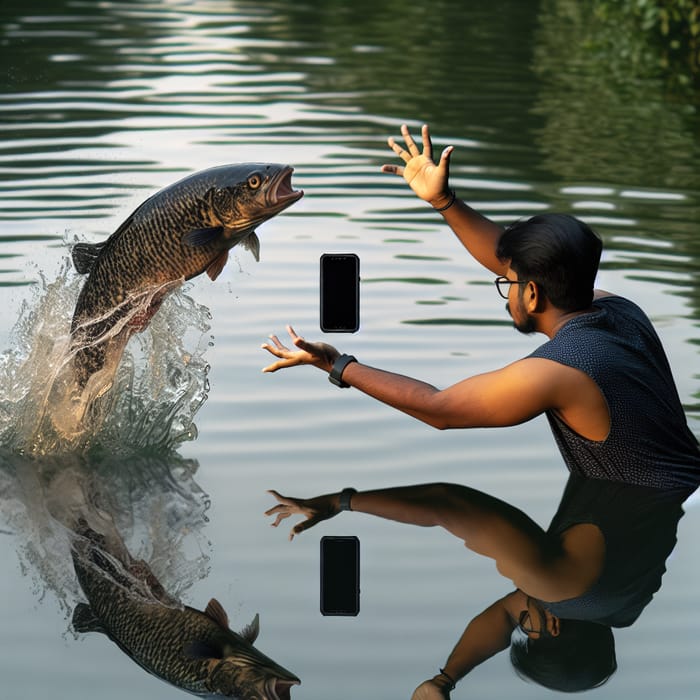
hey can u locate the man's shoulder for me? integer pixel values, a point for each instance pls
(620, 305)
(602, 294)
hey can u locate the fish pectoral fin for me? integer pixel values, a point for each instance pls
(85, 254)
(203, 236)
(85, 620)
(201, 650)
(217, 265)
(252, 243)
(251, 632)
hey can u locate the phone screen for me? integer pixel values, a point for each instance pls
(340, 575)
(340, 293)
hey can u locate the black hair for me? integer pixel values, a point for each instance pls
(558, 252)
(580, 657)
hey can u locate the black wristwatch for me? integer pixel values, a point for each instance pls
(335, 376)
(345, 496)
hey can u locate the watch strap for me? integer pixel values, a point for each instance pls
(335, 376)
(345, 496)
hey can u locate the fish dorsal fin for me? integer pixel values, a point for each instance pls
(202, 236)
(85, 254)
(252, 243)
(251, 632)
(217, 265)
(85, 620)
(217, 613)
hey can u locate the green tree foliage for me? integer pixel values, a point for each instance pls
(665, 35)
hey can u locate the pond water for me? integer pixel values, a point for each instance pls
(104, 103)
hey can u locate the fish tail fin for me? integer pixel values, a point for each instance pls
(84, 256)
(85, 620)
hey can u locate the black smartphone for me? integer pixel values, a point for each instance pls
(340, 575)
(340, 293)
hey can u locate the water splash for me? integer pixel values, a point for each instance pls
(149, 505)
(119, 472)
(146, 397)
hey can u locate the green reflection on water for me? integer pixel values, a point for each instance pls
(480, 322)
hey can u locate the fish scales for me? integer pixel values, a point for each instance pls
(153, 635)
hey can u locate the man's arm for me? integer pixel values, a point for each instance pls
(485, 636)
(523, 552)
(505, 397)
(478, 234)
(509, 396)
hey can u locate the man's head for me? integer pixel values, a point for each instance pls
(557, 252)
(580, 656)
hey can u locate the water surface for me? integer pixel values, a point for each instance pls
(102, 104)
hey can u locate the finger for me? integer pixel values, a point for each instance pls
(280, 517)
(427, 142)
(279, 508)
(274, 509)
(392, 169)
(410, 143)
(277, 349)
(305, 525)
(276, 365)
(277, 342)
(294, 336)
(399, 150)
(283, 355)
(284, 502)
(302, 344)
(272, 350)
(446, 155)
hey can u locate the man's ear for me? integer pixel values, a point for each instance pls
(553, 626)
(532, 297)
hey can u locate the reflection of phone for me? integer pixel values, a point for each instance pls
(340, 293)
(340, 575)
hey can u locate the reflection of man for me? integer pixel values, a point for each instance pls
(597, 566)
(602, 379)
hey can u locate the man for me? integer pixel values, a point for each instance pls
(602, 380)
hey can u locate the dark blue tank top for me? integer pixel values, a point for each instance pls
(649, 442)
(639, 527)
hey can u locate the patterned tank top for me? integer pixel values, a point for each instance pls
(639, 526)
(649, 443)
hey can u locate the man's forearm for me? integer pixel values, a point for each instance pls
(478, 234)
(411, 396)
(485, 636)
(413, 505)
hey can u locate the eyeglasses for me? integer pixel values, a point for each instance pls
(503, 285)
(525, 617)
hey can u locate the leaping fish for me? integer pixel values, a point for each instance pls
(178, 233)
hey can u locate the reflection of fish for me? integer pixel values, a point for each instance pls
(178, 233)
(195, 651)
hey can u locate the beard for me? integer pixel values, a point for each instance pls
(526, 324)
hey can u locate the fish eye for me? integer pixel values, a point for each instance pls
(254, 181)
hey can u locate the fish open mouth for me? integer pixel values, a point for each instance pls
(281, 193)
(279, 689)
